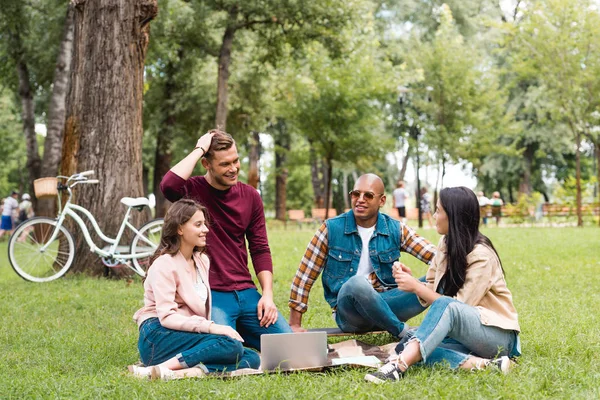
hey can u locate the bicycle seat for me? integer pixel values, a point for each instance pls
(139, 202)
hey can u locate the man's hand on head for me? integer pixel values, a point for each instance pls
(204, 142)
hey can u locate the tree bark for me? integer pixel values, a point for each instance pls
(253, 159)
(56, 113)
(56, 110)
(578, 176)
(525, 186)
(282, 148)
(345, 189)
(329, 169)
(318, 178)
(404, 164)
(163, 155)
(34, 162)
(103, 129)
(223, 74)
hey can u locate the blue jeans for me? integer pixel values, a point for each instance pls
(238, 309)
(452, 332)
(360, 308)
(158, 344)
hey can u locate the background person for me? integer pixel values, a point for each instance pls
(176, 331)
(472, 318)
(399, 196)
(497, 204)
(355, 253)
(484, 207)
(11, 205)
(25, 208)
(426, 206)
(236, 210)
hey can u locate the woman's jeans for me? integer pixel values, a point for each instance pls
(452, 332)
(362, 309)
(158, 344)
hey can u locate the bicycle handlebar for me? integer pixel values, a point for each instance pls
(91, 181)
(86, 173)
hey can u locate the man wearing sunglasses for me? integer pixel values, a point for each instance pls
(356, 253)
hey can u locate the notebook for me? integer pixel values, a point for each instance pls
(293, 350)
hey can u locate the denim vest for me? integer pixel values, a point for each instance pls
(345, 247)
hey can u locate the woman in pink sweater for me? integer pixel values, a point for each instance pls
(177, 337)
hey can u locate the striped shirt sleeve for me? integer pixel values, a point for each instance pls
(310, 268)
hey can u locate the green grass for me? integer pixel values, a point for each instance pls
(73, 338)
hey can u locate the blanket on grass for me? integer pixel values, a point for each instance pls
(353, 353)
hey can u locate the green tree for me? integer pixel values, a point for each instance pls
(335, 103)
(560, 41)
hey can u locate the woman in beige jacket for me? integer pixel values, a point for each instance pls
(472, 322)
(177, 336)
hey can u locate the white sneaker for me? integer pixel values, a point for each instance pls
(165, 374)
(162, 373)
(139, 372)
(504, 364)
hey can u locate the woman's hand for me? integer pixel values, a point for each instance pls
(224, 330)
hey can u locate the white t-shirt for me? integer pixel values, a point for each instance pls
(400, 196)
(364, 266)
(483, 201)
(200, 287)
(10, 204)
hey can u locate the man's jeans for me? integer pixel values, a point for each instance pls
(238, 309)
(452, 331)
(362, 309)
(215, 352)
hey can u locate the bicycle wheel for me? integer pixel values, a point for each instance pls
(28, 259)
(146, 241)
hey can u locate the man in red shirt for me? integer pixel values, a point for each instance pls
(235, 215)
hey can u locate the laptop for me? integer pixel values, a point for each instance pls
(293, 350)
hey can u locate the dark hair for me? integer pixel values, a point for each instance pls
(462, 208)
(178, 214)
(220, 141)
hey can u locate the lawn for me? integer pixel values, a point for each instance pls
(74, 337)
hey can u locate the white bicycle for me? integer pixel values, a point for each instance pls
(42, 249)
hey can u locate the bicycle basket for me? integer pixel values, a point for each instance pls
(45, 187)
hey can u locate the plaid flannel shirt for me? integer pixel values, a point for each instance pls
(315, 258)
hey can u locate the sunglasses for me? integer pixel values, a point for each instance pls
(355, 194)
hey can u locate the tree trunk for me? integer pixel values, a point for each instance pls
(34, 162)
(328, 165)
(253, 159)
(317, 173)
(223, 75)
(404, 163)
(163, 155)
(345, 190)
(282, 148)
(103, 129)
(525, 186)
(56, 113)
(578, 176)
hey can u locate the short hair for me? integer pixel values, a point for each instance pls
(221, 140)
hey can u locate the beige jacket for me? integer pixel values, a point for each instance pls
(484, 288)
(170, 296)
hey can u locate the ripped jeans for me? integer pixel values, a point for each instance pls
(452, 332)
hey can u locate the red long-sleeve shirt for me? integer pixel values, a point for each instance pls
(236, 214)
